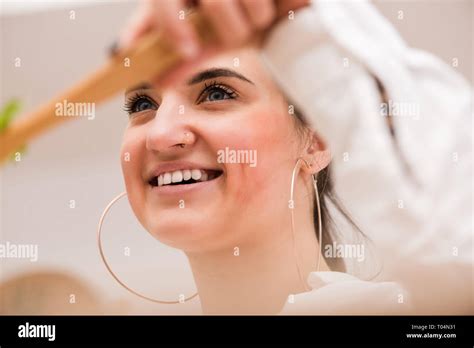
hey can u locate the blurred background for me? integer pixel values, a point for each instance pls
(54, 196)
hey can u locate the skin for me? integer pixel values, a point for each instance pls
(234, 21)
(245, 208)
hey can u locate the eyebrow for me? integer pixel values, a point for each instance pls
(138, 87)
(199, 77)
(216, 72)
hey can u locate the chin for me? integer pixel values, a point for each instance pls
(185, 231)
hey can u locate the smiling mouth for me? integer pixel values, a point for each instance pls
(184, 177)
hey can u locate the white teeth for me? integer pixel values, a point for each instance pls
(186, 174)
(177, 176)
(183, 175)
(196, 174)
(166, 178)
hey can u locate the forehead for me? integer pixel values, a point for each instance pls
(246, 61)
(243, 61)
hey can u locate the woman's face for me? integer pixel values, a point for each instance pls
(237, 131)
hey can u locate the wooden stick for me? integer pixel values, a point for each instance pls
(150, 58)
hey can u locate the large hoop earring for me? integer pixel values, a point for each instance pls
(296, 168)
(104, 260)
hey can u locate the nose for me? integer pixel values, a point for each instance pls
(169, 131)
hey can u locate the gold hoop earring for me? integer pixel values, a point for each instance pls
(299, 161)
(104, 260)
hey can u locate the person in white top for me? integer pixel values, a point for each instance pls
(385, 128)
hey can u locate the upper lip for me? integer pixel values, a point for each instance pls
(177, 165)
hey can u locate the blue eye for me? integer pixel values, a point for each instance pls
(139, 103)
(216, 92)
(142, 104)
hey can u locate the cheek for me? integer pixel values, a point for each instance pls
(265, 133)
(130, 157)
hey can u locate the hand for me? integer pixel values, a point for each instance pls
(234, 21)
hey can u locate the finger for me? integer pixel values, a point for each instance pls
(228, 20)
(261, 13)
(284, 6)
(171, 17)
(139, 24)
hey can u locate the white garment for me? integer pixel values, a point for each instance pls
(413, 198)
(343, 294)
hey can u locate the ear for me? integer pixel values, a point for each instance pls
(316, 154)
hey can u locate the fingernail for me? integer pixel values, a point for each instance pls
(113, 49)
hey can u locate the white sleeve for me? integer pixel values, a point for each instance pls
(412, 196)
(334, 293)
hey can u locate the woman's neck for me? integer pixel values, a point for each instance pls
(258, 277)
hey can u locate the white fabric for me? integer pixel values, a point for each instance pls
(413, 198)
(342, 294)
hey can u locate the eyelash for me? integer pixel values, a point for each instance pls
(132, 101)
(214, 85)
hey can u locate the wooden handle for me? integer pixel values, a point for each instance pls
(149, 59)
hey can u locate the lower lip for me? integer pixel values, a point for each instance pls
(170, 190)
